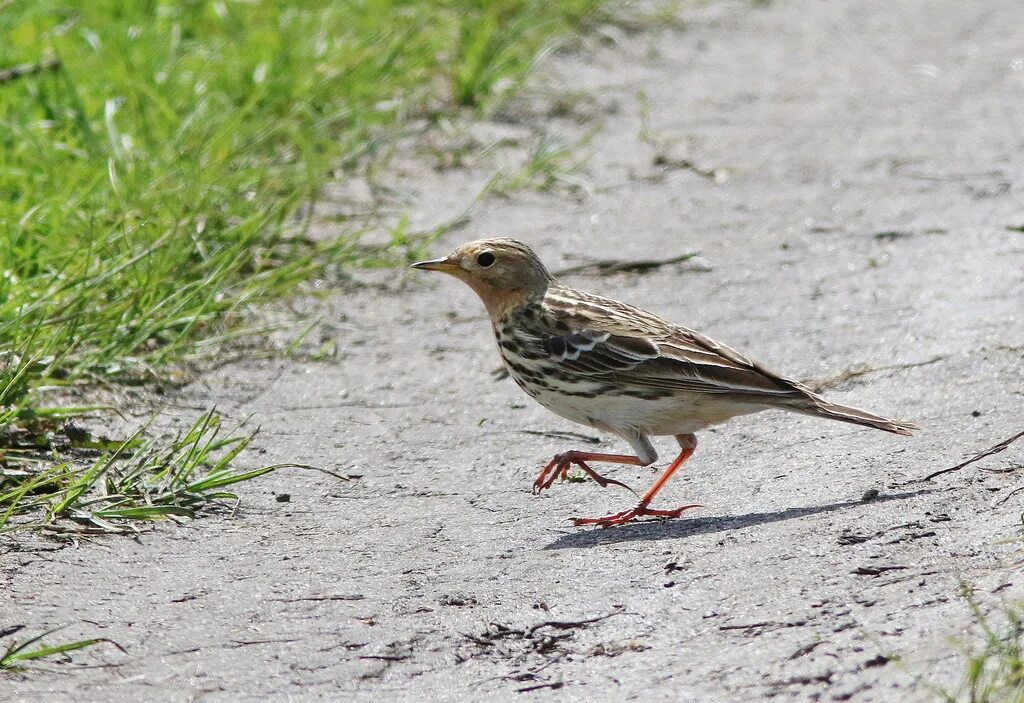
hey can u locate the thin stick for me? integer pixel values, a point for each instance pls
(50, 63)
(1007, 497)
(568, 624)
(610, 266)
(820, 384)
(977, 457)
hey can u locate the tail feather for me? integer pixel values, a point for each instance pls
(844, 413)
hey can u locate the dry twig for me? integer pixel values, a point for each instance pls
(607, 267)
(977, 457)
(820, 384)
(50, 63)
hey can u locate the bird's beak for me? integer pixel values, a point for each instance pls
(444, 265)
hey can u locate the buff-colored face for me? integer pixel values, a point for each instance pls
(502, 264)
(501, 271)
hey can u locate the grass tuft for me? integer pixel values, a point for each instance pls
(549, 164)
(131, 480)
(498, 43)
(994, 672)
(19, 654)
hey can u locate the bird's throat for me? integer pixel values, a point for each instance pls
(498, 301)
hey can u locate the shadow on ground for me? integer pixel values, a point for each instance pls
(656, 530)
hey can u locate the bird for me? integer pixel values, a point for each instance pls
(620, 369)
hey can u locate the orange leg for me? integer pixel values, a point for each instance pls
(560, 465)
(642, 509)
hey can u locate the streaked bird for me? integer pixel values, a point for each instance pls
(621, 369)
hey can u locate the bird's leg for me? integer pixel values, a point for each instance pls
(560, 465)
(688, 444)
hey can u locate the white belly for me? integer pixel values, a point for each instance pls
(681, 413)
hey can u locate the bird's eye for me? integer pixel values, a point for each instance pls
(486, 259)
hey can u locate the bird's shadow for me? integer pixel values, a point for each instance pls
(654, 530)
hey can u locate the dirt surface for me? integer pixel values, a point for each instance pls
(851, 175)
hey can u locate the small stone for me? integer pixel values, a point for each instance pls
(869, 495)
(283, 497)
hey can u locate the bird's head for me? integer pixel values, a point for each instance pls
(503, 272)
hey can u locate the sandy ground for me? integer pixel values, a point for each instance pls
(850, 173)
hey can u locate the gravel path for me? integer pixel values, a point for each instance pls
(851, 175)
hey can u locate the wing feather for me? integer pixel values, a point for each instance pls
(614, 342)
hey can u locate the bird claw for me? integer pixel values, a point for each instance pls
(625, 516)
(559, 468)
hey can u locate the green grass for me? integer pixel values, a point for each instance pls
(132, 479)
(18, 655)
(157, 173)
(549, 164)
(994, 671)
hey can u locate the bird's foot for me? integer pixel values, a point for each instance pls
(559, 468)
(631, 514)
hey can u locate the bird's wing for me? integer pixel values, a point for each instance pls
(593, 352)
(632, 347)
(675, 364)
(719, 368)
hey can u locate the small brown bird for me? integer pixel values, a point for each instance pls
(620, 369)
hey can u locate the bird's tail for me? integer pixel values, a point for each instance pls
(844, 413)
